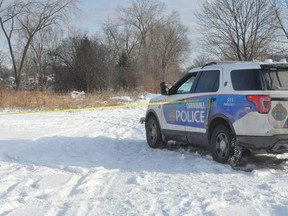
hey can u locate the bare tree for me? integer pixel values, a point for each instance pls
(124, 42)
(8, 14)
(122, 38)
(92, 64)
(200, 60)
(236, 30)
(2, 58)
(4, 70)
(112, 35)
(172, 44)
(23, 19)
(143, 15)
(159, 39)
(38, 56)
(63, 58)
(280, 8)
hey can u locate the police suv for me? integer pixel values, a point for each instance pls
(228, 107)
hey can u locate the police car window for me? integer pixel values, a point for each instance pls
(276, 79)
(243, 80)
(208, 82)
(186, 86)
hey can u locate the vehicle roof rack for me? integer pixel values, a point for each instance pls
(277, 66)
(208, 64)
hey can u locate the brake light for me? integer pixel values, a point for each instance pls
(262, 102)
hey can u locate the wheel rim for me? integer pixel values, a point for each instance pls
(153, 132)
(222, 145)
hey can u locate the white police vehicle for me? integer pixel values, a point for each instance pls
(227, 107)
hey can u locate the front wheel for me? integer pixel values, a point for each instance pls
(221, 144)
(153, 133)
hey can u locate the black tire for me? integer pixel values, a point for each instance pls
(153, 133)
(221, 144)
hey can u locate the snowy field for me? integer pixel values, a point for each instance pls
(98, 163)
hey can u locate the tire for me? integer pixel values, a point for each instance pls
(221, 144)
(153, 133)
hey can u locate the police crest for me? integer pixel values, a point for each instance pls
(172, 115)
(279, 112)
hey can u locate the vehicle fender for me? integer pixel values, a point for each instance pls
(216, 120)
(152, 112)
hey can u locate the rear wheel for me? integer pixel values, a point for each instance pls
(221, 144)
(153, 133)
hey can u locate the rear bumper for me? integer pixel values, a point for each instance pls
(272, 144)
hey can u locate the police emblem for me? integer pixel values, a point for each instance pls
(279, 112)
(172, 115)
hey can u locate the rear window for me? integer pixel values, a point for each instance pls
(276, 79)
(244, 80)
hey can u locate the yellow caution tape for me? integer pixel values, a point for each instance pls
(208, 112)
(98, 108)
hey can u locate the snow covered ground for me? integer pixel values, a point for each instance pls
(98, 163)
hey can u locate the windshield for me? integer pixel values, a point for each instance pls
(276, 78)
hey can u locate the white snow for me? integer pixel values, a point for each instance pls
(98, 163)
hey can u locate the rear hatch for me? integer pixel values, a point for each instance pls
(276, 82)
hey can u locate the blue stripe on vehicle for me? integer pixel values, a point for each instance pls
(192, 111)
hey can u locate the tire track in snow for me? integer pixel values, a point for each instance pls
(90, 190)
(19, 179)
(8, 191)
(113, 194)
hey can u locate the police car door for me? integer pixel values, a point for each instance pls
(174, 112)
(202, 105)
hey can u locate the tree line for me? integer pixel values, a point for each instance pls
(143, 45)
(141, 48)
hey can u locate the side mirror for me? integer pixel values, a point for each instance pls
(163, 88)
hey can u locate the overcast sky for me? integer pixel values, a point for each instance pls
(95, 12)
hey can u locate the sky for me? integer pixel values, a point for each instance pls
(95, 12)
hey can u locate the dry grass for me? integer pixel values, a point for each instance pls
(37, 100)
